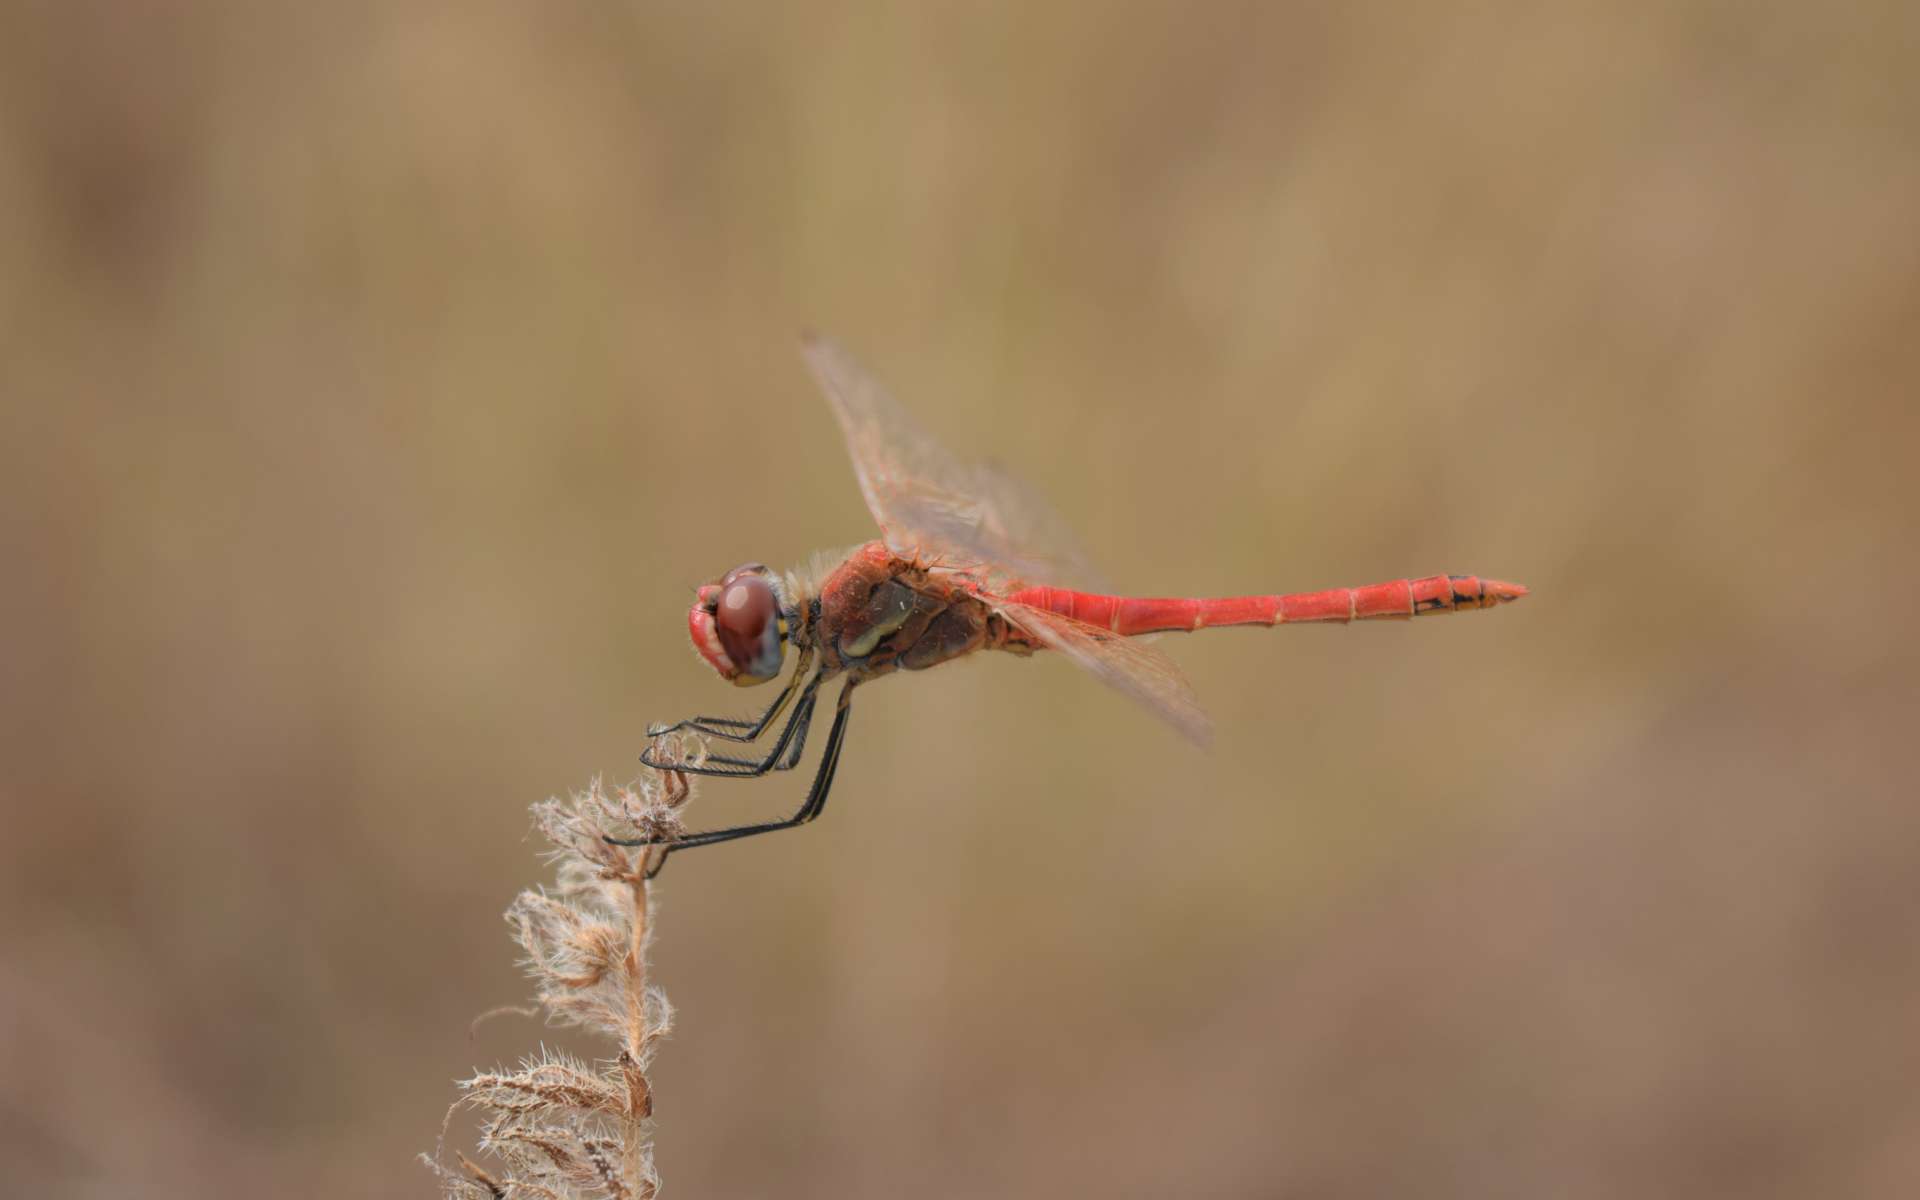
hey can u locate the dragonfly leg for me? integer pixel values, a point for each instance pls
(785, 752)
(794, 736)
(734, 729)
(816, 795)
(804, 720)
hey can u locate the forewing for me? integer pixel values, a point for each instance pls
(929, 503)
(1124, 664)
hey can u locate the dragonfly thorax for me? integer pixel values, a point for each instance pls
(739, 625)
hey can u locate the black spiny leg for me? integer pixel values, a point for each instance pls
(793, 735)
(816, 795)
(733, 729)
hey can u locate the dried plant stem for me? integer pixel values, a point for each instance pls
(640, 1095)
(560, 1127)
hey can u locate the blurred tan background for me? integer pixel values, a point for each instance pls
(376, 381)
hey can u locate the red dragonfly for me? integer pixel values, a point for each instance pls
(960, 543)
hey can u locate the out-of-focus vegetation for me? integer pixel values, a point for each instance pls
(377, 380)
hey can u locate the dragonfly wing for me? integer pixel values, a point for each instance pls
(1124, 664)
(929, 503)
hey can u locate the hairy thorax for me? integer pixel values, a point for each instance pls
(880, 613)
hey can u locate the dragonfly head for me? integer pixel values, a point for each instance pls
(740, 627)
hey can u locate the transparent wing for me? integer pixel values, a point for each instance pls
(1124, 664)
(927, 502)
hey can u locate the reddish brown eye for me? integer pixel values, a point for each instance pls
(746, 619)
(745, 608)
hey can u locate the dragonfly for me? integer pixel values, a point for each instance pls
(969, 559)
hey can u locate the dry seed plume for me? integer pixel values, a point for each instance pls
(557, 1127)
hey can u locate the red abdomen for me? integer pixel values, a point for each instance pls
(1395, 600)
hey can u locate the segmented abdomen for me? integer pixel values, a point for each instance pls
(1395, 600)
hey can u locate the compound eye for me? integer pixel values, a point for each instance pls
(746, 618)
